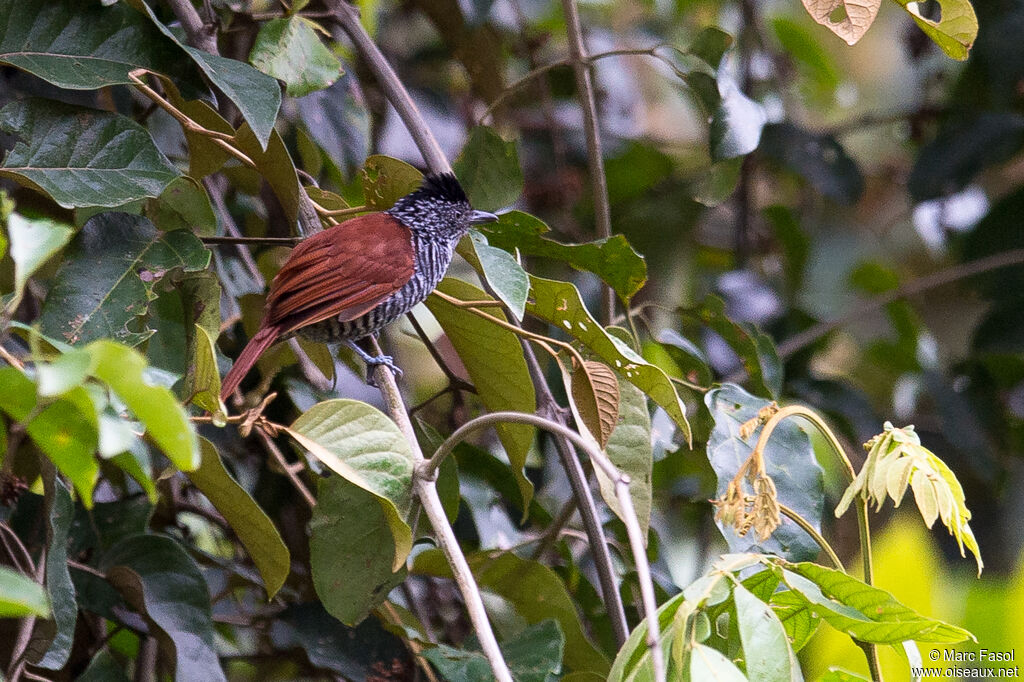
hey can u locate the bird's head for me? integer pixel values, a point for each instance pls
(439, 209)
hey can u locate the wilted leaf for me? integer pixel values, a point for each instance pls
(82, 157)
(488, 169)
(178, 608)
(611, 259)
(107, 277)
(559, 304)
(848, 19)
(247, 520)
(290, 50)
(353, 552)
(629, 449)
(363, 445)
(493, 357)
(595, 392)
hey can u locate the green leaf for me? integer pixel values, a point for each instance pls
(290, 50)
(159, 579)
(362, 444)
(611, 259)
(954, 32)
(183, 205)
(57, 635)
(796, 615)
(167, 424)
(710, 664)
(488, 169)
(559, 304)
(840, 675)
(33, 241)
(633, 662)
(202, 382)
(687, 355)
(21, 596)
(66, 431)
(866, 613)
(352, 550)
(338, 121)
(736, 125)
(103, 668)
(710, 45)
(534, 655)
(247, 520)
(790, 463)
(503, 272)
(83, 46)
(493, 357)
(82, 157)
(629, 449)
(536, 592)
(766, 651)
(718, 183)
(754, 348)
(194, 300)
(275, 165)
(386, 180)
(107, 278)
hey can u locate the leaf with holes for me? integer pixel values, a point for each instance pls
(107, 278)
(82, 157)
(848, 19)
(559, 304)
(362, 444)
(386, 180)
(956, 29)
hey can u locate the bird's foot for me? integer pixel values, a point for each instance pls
(373, 360)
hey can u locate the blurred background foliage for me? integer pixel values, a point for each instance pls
(879, 173)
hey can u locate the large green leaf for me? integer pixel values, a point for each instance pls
(710, 664)
(956, 29)
(352, 550)
(82, 157)
(559, 303)
(533, 655)
(249, 522)
(33, 241)
(386, 180)
(789, 461)
(21, 596)
(866, 613)
(362, 444)
(534, 590)
(494, 359)
(159, 580)
(175, 315)
(503, 273)
(57, 635)
(488, 169)
(66, 430)
(766, 651)
(611, 259)
(84, 45)
(290, 50)
(107, 278)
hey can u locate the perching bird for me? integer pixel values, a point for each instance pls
(349, 281)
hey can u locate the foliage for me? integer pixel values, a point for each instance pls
(160, 157)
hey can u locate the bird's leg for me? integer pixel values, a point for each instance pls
(374, 360)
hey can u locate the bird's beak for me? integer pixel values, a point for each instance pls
(479, 217)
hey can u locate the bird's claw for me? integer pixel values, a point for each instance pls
(387, 361)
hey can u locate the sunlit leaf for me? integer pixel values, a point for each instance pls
(956, 29)
(21, 596)
(848, 19)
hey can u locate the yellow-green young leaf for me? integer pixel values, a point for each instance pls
(925, 497)
(954, 32)
(66, 431)
(595, 393)
(351, 550)
(386, 180)
(362, 444)
(202, 381)
(33, 241)
(559, 303)
(249, 522)
(848, 19)
(21, 596)
(494, 359)
(123, 369)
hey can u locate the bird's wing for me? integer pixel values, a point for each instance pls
(343, 272)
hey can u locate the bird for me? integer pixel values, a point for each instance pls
(349, 281)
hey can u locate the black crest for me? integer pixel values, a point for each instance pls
(442, 186)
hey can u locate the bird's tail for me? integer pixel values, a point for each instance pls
(262, 340)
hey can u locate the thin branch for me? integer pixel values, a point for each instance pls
(599, 460)
(24, 634)
(198, 33)
(426, 491)
(917, 286)
(6, 356)
(271, 241)
(806, 526)
(276, 453)
(22, 559)
(591, 131)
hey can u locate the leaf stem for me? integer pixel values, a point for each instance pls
(813, 532)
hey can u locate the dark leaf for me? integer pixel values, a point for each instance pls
(534, 655)
(58, 635)
(488, 168)
(338, 121)
(818, 159)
